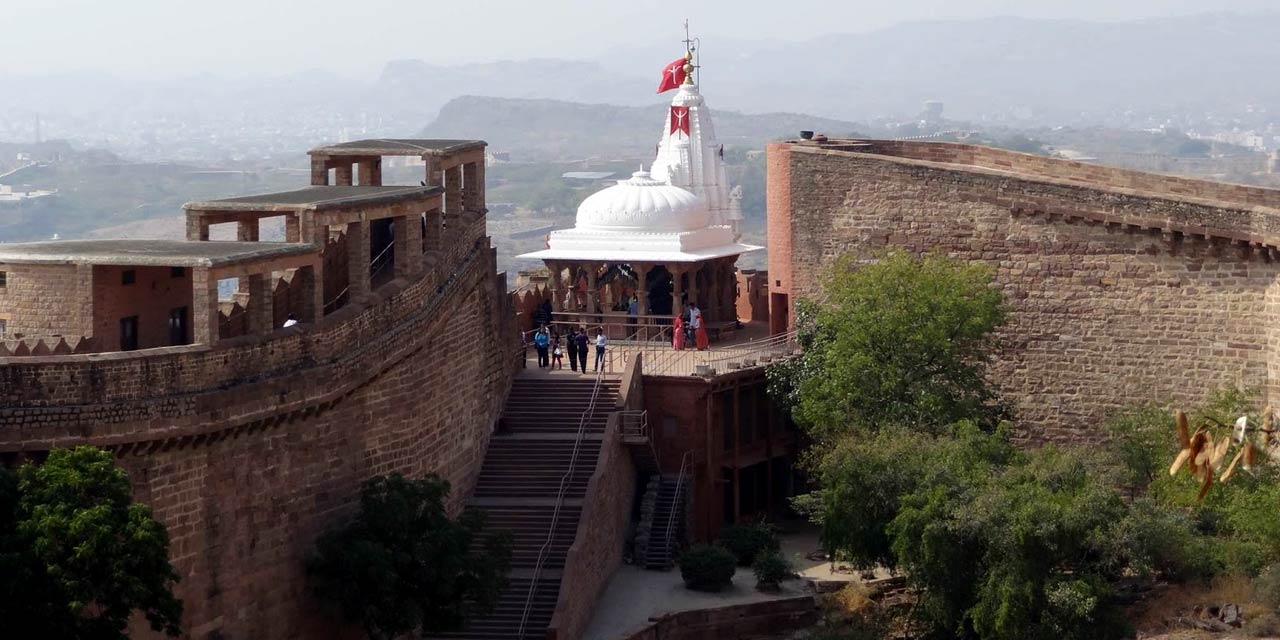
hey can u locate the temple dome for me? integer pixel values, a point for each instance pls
(643, 204)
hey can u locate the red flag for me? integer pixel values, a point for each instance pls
(680, 120)
(672, 76)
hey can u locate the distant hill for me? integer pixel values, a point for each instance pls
(1053, 71)
(560, 130)
(1058, 71)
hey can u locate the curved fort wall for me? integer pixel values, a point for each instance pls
(247, 451)
(1123, 287)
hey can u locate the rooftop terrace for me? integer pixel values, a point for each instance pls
(318, 198)
(160, 253)
(398, 147)
(1058, 170)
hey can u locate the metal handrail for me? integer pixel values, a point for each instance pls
(753, 347)
(637, 417)
(685, 461)
(555, 514)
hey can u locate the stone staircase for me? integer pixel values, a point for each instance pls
(518, 485)
(668, 497)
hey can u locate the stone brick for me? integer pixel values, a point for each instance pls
(1123, 287)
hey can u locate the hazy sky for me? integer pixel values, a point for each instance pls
(355, 37)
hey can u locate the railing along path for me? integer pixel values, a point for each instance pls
(555, 514)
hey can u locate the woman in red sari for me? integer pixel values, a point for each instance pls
(699, 331)
(677, 334)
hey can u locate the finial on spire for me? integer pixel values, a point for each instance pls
(690, 45)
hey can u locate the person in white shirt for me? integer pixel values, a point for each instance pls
(292, 320)
(601, 342)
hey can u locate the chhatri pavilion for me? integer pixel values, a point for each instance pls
(665, 236)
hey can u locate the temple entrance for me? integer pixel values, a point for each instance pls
(660, 285)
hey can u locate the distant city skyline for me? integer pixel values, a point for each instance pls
(166, 38)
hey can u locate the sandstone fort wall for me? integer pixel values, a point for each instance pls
(29, 310)
(247, 451)
(1116, 296)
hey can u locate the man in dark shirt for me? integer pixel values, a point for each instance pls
(572, 345)
(581, 340)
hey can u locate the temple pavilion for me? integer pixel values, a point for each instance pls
(662, 237)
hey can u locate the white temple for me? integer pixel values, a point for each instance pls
(674, 230)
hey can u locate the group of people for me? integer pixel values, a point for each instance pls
(551, 348)
(689, 327)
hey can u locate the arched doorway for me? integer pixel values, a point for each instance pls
(658, 280)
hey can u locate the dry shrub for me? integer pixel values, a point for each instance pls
(853, 599)
(1266, 625)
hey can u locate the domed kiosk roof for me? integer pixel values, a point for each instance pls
(642, 204)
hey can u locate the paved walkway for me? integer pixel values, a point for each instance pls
(634, 595)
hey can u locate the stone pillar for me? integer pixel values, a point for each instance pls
(408, 239)
(730, 303)
(342, 173)
(432, 234)
(642, 290)
(557, 291)
(453, 203)
(197, 227)
(370, 172)
(358, 260)
(319, 171)
(693, 282)
(433, 176)
(247, 230)
(593, 298)
(204, 306)
(473, 187)
(292, 228)
(261, 314)
(677, 290)
(311, 306)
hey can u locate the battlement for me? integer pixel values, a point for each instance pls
(342, 243)
(1038, 185)
(139, 378)
(1121, 285)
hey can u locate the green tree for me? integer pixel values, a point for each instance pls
(28, 605)
(92, 553)
(402, 565)
(902, 340)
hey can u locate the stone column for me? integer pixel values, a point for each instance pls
(311, 306)
(342, 173)
(693, 282)
(473, 187)
(370, 172)
(557, 291)
(261, 314)
(431, 168)
(197, 227)
(593, 299)
(292, 228)
(432, 233)
(453, 204)
(642, 290)
(730, 304)
(677, 289)
(204, 306)
(408, 239)
(358, 260)
(319, 170)
(247, 230)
